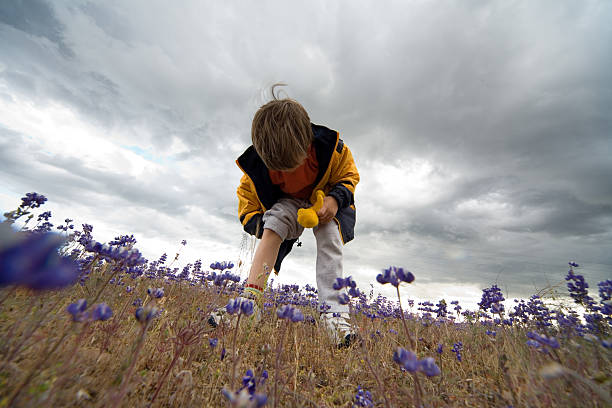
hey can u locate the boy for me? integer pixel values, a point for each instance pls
(290, 160)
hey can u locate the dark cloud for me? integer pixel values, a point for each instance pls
(35, 17)
(507, 102)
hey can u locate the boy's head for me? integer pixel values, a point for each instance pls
(281, 133)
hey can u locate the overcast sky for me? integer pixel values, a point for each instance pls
(482, 131)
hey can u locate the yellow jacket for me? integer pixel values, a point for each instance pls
(337, 177)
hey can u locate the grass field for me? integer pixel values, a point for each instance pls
(97, 325)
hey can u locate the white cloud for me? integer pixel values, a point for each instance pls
(479, 131)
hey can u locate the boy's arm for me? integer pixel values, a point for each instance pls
(343, 178)
(250, 212)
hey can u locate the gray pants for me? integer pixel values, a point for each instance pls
(282, 219)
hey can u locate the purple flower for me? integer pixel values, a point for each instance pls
(156, 293)
(34, 262)
(233, 306)
(101, 311)
(290, 313)
(428, 367)
(343, 299)
(395, 276)
(491, 300)
(457, 347)
(221, 266)
(363, 398)
(146, 314)
(77, 310)
(213, 342)
(440, 348)
(406, 358)
(33, 200)
(338, 284)
(246, 307)
(354, 292)
(546, 341)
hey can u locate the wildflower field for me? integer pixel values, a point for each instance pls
(89, 324)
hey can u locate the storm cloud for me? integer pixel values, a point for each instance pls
(482, 131)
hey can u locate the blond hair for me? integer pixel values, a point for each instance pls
(281, 133)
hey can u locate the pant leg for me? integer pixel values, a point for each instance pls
(329, 265)
(282, 218)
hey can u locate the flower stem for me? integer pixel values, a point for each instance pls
(13, 397)
(162, 379)
(381, 388)
(234, 358)
(399, 299)
(279, 350)
(126, 379)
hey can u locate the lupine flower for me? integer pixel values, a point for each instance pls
(137, 302)
(341, 283)
(605, 290)
(44, 216)
(457, 347)
(123, 240)
(156, 293)
(221, 266)
(33, 200)
(491, 300)
(77, 310)
(546, 341)
(491, 333)
(290, 313)
(343, 299)
(222, 353)
(126, 257)
(395, 276)
(240, 305)
(363, 398)
(536, 345)
(440, 348)
(409, 362)
(146, 314)
(33, 261)
(242, 399)
(406, 358)
(578, 288)
(213, 342)
(183, 242)
(246, 307)
(250, 383)
(429, 367)
(101, 311)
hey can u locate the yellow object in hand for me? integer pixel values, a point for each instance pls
(307, 217)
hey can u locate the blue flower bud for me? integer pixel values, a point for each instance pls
(101, 311)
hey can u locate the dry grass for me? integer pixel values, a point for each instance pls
(83, 364)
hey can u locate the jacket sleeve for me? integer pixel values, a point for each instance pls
(343, 177)
(250, 211)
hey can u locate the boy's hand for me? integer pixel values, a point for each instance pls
(328, 210)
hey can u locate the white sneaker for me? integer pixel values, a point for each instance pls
(220, 315)
(338, 328)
